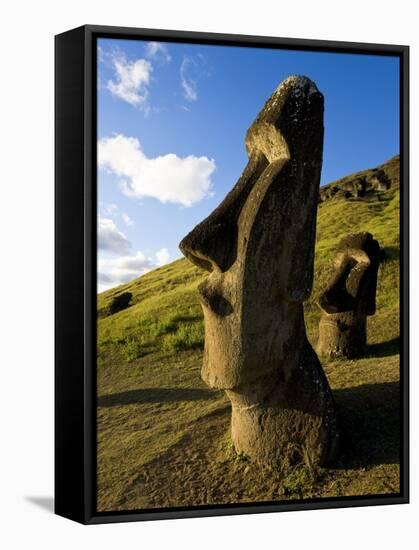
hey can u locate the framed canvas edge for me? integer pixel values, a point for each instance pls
(243, 40)
(241, 509)
(89, 515)
(70, 366)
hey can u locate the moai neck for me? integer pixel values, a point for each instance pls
(290, 415)
(342, 334)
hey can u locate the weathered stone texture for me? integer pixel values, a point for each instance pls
(258, 246)
(367, 183)
(349, 297)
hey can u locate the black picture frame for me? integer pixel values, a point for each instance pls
(75, 272)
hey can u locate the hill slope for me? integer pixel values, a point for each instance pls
(163, 435)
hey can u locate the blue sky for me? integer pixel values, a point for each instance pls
(171, 124)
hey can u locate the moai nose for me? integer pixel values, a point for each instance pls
(212, 244)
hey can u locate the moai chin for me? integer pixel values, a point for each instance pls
(258, 246)
(349, 297)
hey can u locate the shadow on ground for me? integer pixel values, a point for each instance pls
(154, 395)
(391, 253)
(384, 349)
(46, 503)
(369, 417)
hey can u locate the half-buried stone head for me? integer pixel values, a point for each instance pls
(349, 297)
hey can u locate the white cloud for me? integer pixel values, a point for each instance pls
(158, 50)
(162, 256)
(127, 220)
(100, 54)
(132, 79)
(110, 239)
(116, 271)
(188, 78)
(167, 178)
(111, 209)
(192, 69)
(108, 209)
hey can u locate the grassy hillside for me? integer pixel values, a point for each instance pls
(163, 435)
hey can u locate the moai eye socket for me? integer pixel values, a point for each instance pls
(213, 300)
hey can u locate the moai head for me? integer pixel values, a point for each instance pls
(380, 181)
(349, 297)
(353, 284)
(258, 244)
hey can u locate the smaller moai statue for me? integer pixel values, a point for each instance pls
(349, 297)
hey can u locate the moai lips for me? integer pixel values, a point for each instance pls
(349, 297)
(258, 246)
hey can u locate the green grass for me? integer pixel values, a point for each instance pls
(163, 435)
(188, 336)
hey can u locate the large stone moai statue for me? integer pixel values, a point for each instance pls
(349, 297)
(258, 246)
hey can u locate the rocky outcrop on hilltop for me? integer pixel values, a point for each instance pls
(361, 184)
